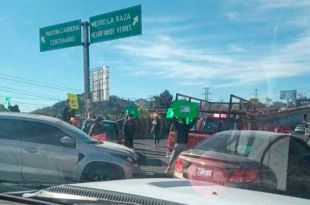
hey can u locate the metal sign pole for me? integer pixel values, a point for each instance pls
(87, 97)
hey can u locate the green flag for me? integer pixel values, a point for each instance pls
(132, 110)
(169, 114)
(185, 109)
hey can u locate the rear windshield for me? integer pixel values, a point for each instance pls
(213, 125)
(235, 144)
(109, 128)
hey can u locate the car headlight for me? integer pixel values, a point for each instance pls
(124, 157)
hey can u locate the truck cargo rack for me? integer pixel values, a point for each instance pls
(233, 110)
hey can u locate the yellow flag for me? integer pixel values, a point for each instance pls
(73, 101)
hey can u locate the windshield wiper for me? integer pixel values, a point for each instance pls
(24, 200)
(52, 201)
(94, 142)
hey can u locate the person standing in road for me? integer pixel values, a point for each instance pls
(129, 130)
(182, 130)
(156, 130)
(91, 114)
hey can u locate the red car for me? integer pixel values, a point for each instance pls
(112, 133)
(249, 159)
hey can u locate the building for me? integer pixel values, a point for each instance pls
(99, 84)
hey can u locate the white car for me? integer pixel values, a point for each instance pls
(43, 150)
(157, 191)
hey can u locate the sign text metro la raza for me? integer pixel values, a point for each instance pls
(117, 24)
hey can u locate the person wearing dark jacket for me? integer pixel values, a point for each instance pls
(67, 113)
(156, 130)
(182, 130)
(129, 130)
(97, 128)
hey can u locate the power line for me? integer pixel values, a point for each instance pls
(35, 83)
(27, 93)
(26, 98)
(30, 104)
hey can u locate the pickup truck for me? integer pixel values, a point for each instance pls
(213, 118)
(204, 127)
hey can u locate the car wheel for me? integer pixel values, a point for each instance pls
(102, 172)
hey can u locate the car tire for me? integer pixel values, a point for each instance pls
(102, 172)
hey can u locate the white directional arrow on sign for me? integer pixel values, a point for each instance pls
(42, 39)
(135, 20)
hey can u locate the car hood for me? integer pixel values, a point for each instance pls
(171, 190)
(114, 147)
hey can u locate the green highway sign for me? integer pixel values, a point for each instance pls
(7, 101)
(60, 36)
(117, 24)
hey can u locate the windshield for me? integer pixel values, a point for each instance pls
(207, 91)
(77, 132)
(239, 144)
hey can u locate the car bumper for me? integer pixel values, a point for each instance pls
(131, 169)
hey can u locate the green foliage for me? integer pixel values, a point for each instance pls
(144, 113)
(115, 106)
(2, 108)
(163, 100)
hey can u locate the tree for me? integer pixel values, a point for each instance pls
(163, 100)
(257, 103)
(268, 101)
(144, 113)
(2, 108)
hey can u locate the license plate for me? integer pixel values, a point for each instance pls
(204, 172)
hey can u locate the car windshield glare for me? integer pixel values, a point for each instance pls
(245, 145)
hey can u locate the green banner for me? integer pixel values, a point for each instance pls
(185, 109)
(169, 113)
(132, 111)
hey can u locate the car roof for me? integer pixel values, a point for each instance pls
(257, 133)
(300, 126)
(93, 120)
(16, 115)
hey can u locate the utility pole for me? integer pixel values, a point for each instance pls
(206, 93)
(86, 43)
(256, 93)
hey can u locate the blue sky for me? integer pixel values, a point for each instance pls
(232, 46)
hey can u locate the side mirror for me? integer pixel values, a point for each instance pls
(67, 141)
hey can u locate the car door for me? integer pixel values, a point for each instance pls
(44, 158)
(298, 175)
(10, 152)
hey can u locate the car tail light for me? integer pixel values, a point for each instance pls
(238, 175)
(179, 164)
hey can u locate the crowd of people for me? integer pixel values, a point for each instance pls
(97, 130)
